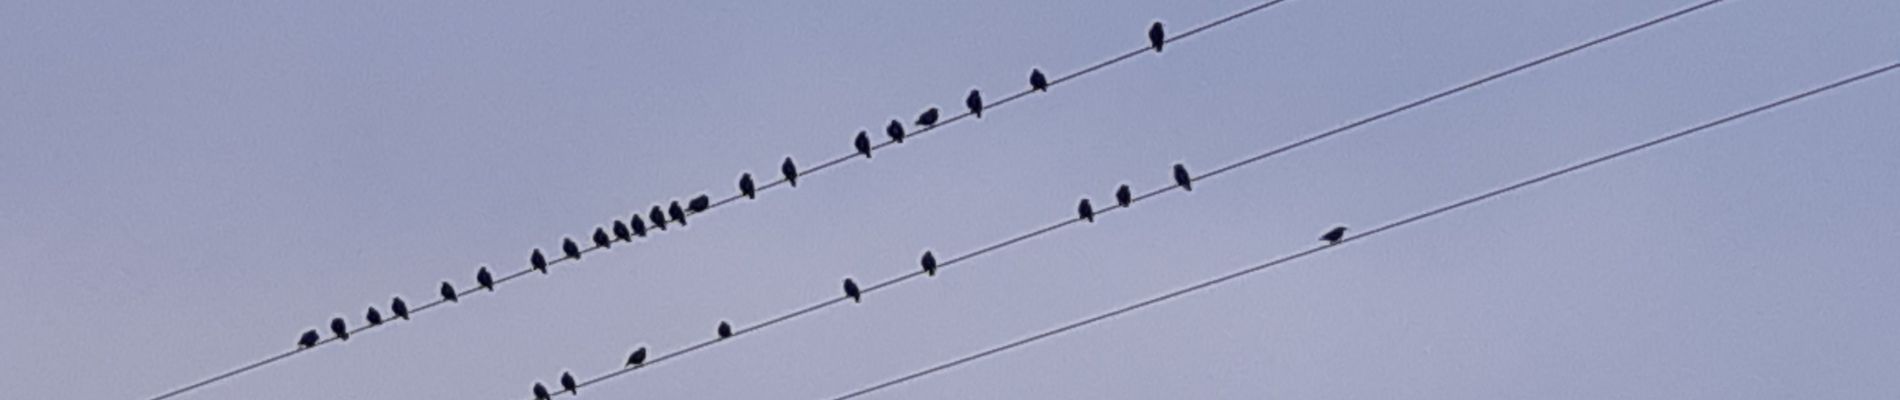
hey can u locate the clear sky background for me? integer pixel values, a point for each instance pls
(186, 186)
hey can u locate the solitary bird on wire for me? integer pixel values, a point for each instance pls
(851, 289)
(746, 187)
(448, 292)
(1333, 236)
(541, 392)
(538, 262)
(790, 170)
(1156, 37)
(638, 357)
(572, 250)
(1085, 211)
(399, 307)
(975, 103)
(930, 263)
(1037, 82)
(567, 383)
(601, 239)
(863, 143)
(1124, 197)
(621, 233)
(374, 317)
(658, 217)
(308, 340)
(341, 330)
(639, 226)
(677, 213)
(895, 130)
(482, 278)
(928, 118)
(725, 330)
(1182, 179)
(699, 204)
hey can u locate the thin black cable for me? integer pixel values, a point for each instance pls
(1382, 228)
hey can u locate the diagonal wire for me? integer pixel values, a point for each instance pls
(1374, 231)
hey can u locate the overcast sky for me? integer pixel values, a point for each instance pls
(187, 186)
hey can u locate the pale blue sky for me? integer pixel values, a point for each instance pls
(185, 187)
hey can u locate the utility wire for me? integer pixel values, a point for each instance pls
(947, 263)
(1382, 228)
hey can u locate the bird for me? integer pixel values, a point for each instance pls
(1037, 82)
(541, 392)
(601, 239)
(1124, 197)
(895, 130)
(745, 186)
(341, 330)
(790, 171)
(399, 307)
(638, 357)
(699, 204)
(567, 383)
(308, 340)
(448, 292)
(639, 226)
(1181, 177)
(725, 330)
(1333, 236)
(621, 233)
(851, 290)
(677, 213)
(538, 262)
(482, 278)
(570, 249)
(374, 317)
(1086, 211)
(1156, 37)
(863, 143)
(928, 118)
(930, 263)
(974, 102)
(658, 217)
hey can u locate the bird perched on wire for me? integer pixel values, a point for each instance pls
(657, 217)
(975, 103)
(851, 290)
(1334, 236)
(308, 340)
(568, 384)
(448, 292)
(541, 392)
(399, 307)
(790, 170)
(746, 187)
(1156, 36)
(341, 330)
(572, 250)
(1182, 179)
(862, 143)
(927, 118)
(538, 262)
(677, 213)
(639, 227)
(1123, 196)
(699, 204)
(374, 317)
(621, 233)
(1085, 211)
(930, 263)
(895, 131)
(601, 240)
(483, 278)
(725, 330)
(1037, 82)
(638, 357)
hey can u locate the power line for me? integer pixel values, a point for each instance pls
(1382, 228)
(1224, 169)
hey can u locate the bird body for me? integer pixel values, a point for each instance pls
(483, 278)
(851, 290)
(399, 307)
(341, 330)
(1182, 179)
(928, 118)
(308, 340)
(746, 188)
(1085, 211)
(568, 384)
(1037, 82)
(1124, 197)
(699, 204)
(570, 249)
(1334, 236)
(974, 102)
(541, 392)
(448, 292)
(658, 217)
(790, 170)
(1156, 36)
(639, 226)
(638, 357)
(677, 213)
(601, 239)
(930, 263)
(621, 233)
(895, 130)
(538, 261)
(374, 317)
(863, 144)
(725, 330)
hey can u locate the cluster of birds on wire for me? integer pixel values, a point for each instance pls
(636, 226)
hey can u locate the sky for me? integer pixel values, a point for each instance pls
(187, 186)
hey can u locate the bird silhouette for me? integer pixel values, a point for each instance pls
(725, 330)
(790, 171)
(658, 217)
(745, 186)
(1086, 211)
(863, 143)
(851, 289)
(930, 263)
(974, 102)
(1156, 37)
(570, 249)
(601, 239)
(621, 233)
(482, 278)
(895, 130)
(399, 307)
(374, 317)
(1037, 82)
(538, 262)
(638, 357)
(1124, 197)
(699, 204)
(341, 330)
(541, 392)
(928, 118)
(639, 226)
(1333, 236)
(1182, 179)
(676, 212)
(448, 292)
(308, 340)
(567, 383)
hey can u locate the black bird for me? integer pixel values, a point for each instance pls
(448, 292)
(790, 171)
(1124, 197)
(1037, 81)
(851, 289)
(538, 261)
(1333, 236)
(567, 383)
(974, 102)
(570, 249)
(541, 392)
(621, 233)
(677, 213)
(400, 308)
(745, 186)
(1086, 211)
(638, 357)
(1156, 37)
(895, 130)
(725, 330)
(639, 226)
(374, 317)
(928, 118)
(308, 340)
(482, 278)
(863, 143)
(699, 204)
(342, 331)
(601, 239)
(658, 217)
(1181, 177)
(930, 263)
